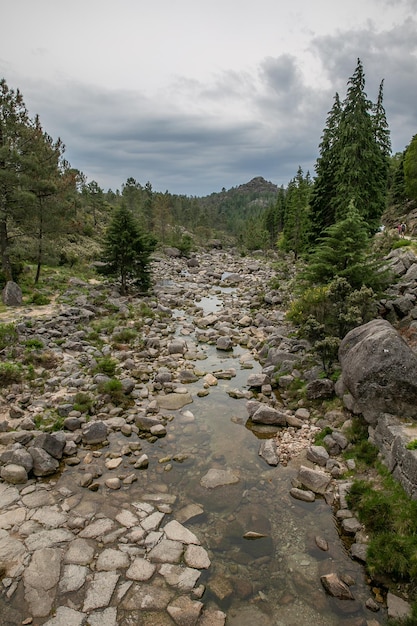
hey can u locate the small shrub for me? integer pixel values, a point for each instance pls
(114, 389)
(318, 439)
(49, 421)
(401, 243)
(8, 335)
(412, 445)
(39, 299)
(46, 359)
(33, 344)
(83, 402)
(106, 365)
(10, 373)
(124, 335)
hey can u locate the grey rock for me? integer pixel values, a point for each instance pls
(52, 444)
(268, 451)
(397, 607)
(217, 478)
(314, 480)
(379, 372)
(43, 463)
(14, 474)
(318, 455)
(336, 587)
(95, 432)
(100, 591)
(40, 579)
(302, 494)
(141, 570)
(268, 415)
(65, 616)
(12, 294)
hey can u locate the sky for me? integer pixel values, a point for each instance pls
(198, 95)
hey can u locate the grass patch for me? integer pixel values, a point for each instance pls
(319, 438)
(391, 517)
(124, 335)
(49, 421)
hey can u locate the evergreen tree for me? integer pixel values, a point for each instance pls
(354, 159)
(127, 250)
(322, 203)
(45, 183)
(410, 169)
(273, 218)
(297, 218)
(362, 170)
(14, 123)
(396, 179)
(344, 251)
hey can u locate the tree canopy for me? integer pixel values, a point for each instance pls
(127, 250)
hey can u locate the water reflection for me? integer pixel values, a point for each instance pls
(274, 580)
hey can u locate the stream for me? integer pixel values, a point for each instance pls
(275, 579)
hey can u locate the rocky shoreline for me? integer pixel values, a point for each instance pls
(73, 548)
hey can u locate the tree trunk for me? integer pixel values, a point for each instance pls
(4, 251)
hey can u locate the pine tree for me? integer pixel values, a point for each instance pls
(322, 203)
(14, 122)
(297, 218)
(362, 171)
(45, 184)
(354, 159)
(344, 251)
(410, 169)
(127, 250)
(273, 218)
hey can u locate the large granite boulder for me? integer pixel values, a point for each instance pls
(379, 372)
(12, 294)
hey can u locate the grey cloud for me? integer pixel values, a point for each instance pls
(181, 140)
(388, 55)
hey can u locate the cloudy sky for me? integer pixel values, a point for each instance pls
(197, 95)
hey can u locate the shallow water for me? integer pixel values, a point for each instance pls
(275, 580)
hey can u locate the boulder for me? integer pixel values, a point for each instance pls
(12, 294)
(379, 372)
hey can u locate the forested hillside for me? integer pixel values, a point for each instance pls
(50, 214)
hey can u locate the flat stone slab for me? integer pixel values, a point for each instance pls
(218, 478)
(174, 401)
(167, 551)
(177, 532)
(100, 591)
(141, 570)
(66, 617)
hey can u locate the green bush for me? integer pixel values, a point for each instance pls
(401, 243)
(39, 299)
(106, 365)
(8, 335)
(124, 335)
(33, 344)
(10, 373)
(83, 402)
(114, 389)
(412, 445)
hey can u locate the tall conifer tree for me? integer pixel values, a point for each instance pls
(354, 159)
(322, 203)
